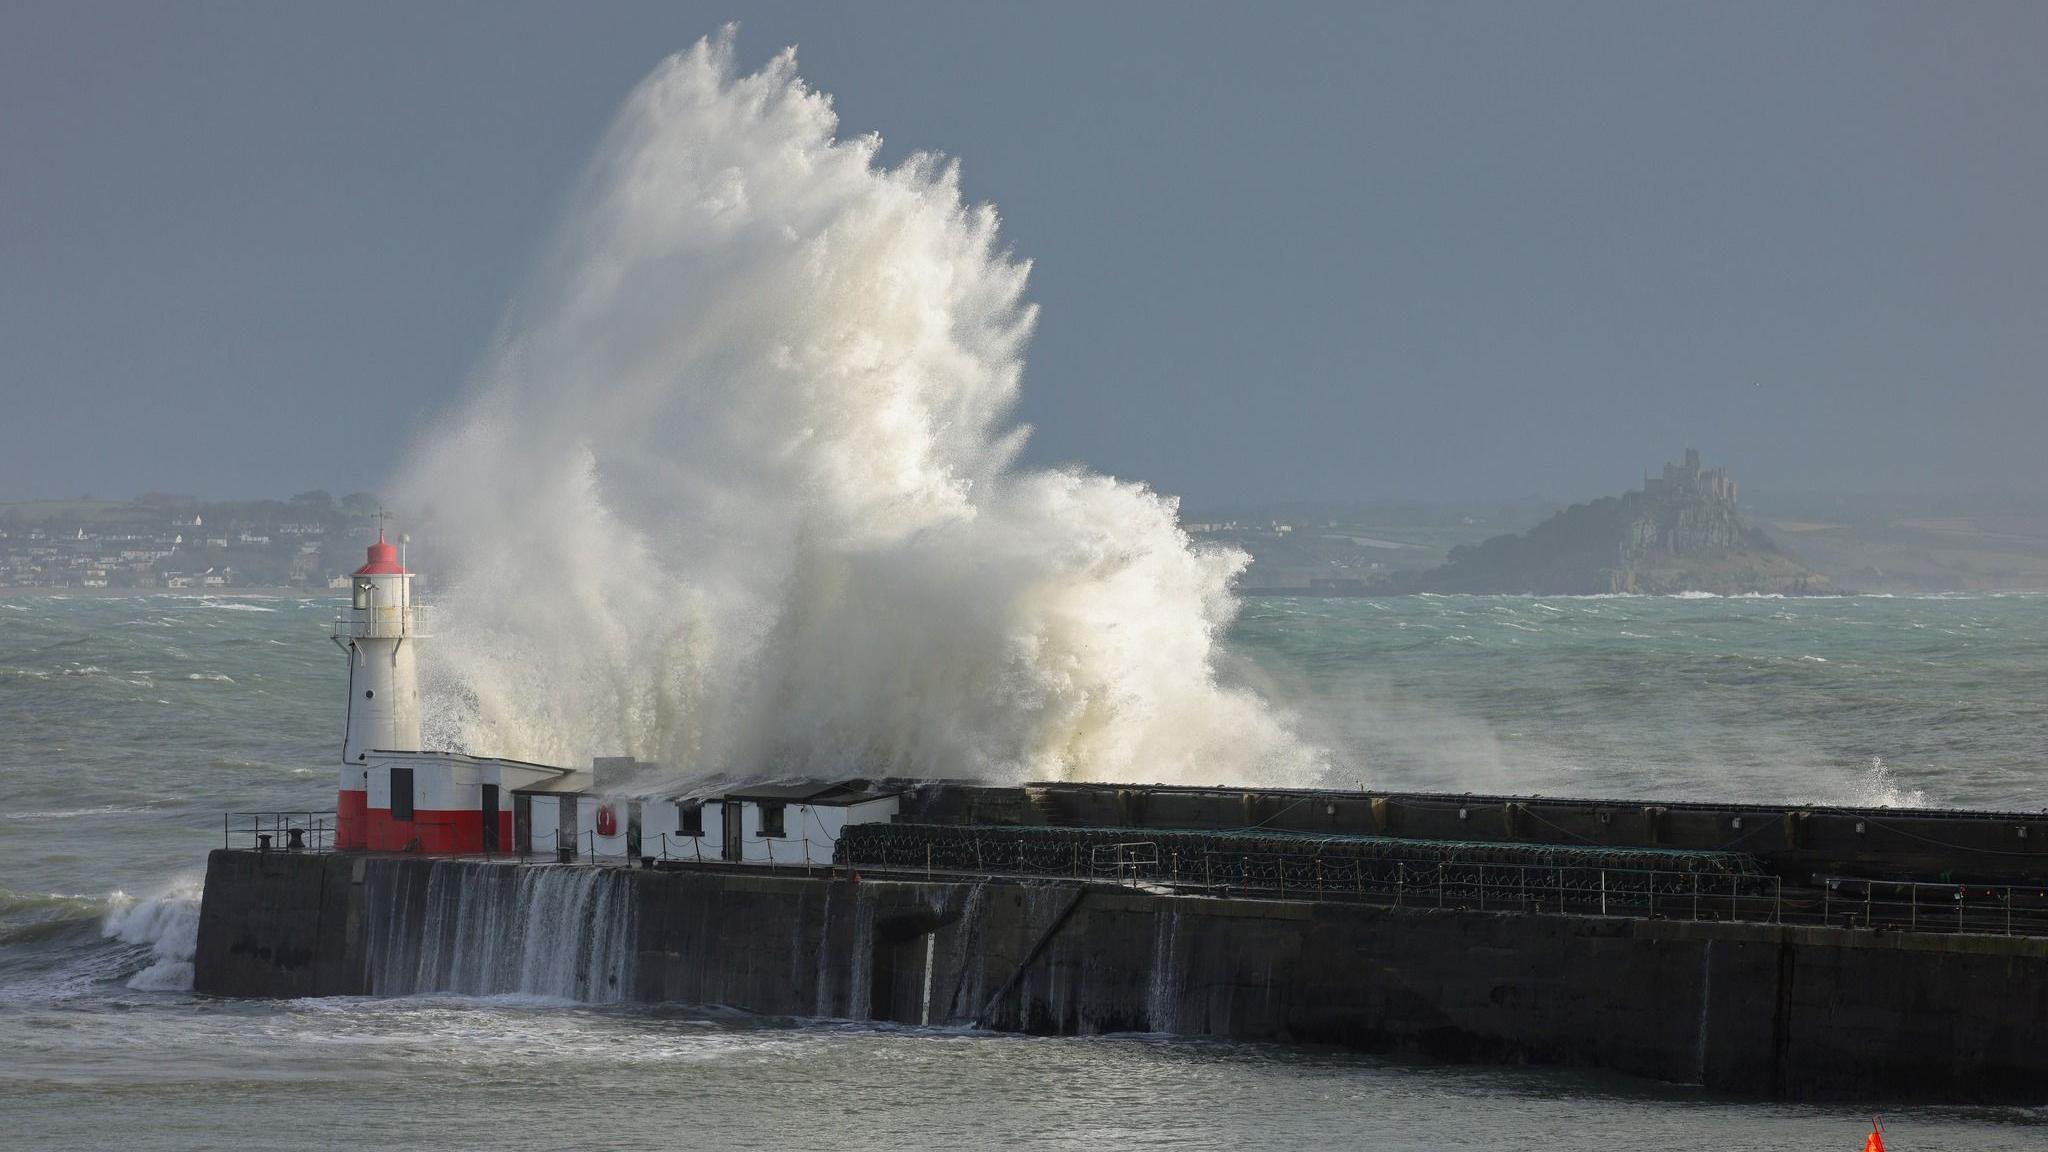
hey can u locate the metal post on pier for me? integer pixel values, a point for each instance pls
(1695, 895)
(1603, 891)
(1914, 889)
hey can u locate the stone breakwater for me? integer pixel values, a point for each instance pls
(1763, 1010)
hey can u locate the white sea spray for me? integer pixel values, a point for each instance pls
(168, 924)
(738, 490)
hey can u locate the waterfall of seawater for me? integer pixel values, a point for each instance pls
(561, 932)
(1163, 1009)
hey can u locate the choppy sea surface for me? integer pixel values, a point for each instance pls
(129, 724)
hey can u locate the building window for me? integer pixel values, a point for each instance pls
(401, 793)
(771, 820)
(690, 819)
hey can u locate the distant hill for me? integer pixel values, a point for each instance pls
(1682, 532)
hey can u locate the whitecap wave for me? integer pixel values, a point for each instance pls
(74, 813)
(168, 925)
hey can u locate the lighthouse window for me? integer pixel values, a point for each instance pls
(690, 819)
(771, 820)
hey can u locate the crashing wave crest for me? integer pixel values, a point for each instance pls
(168, 925)
(737, 491)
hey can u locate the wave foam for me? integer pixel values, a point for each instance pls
(755, 415)
(168, 924)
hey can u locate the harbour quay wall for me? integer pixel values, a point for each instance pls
(280, 924)
(1760, 1010)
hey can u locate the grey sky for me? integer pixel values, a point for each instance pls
(1317, 251)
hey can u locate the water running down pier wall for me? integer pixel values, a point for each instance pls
(1754, 1009)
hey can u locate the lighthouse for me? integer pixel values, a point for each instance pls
(380, 633)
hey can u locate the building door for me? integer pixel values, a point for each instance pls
(732, 829)
(401, 794)
(490, 817)
(522, 824)
(568, 835)
(633, 830)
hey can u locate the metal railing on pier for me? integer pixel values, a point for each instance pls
(1919, 906)
(278, 831)
(1700, 890)
(1486, 886)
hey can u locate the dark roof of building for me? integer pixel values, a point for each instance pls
(826, 792)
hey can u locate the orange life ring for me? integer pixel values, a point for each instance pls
(607, 820)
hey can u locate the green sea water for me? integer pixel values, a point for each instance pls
(129, 724)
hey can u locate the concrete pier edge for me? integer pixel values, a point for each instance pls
(1756, 1010)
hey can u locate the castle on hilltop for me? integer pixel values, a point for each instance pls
(1687, 512)
(1693, 480)
(1681, 532)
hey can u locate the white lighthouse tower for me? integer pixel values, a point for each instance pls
(379, 634)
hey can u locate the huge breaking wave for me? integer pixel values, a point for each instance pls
(737, 490)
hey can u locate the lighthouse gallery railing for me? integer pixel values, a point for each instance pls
(384, 623)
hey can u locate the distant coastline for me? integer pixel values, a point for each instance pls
(163, 543)
(1987, 543)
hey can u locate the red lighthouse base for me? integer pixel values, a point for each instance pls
(451, 833)
(351, 820)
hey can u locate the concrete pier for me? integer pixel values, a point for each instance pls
(1757, 1009)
